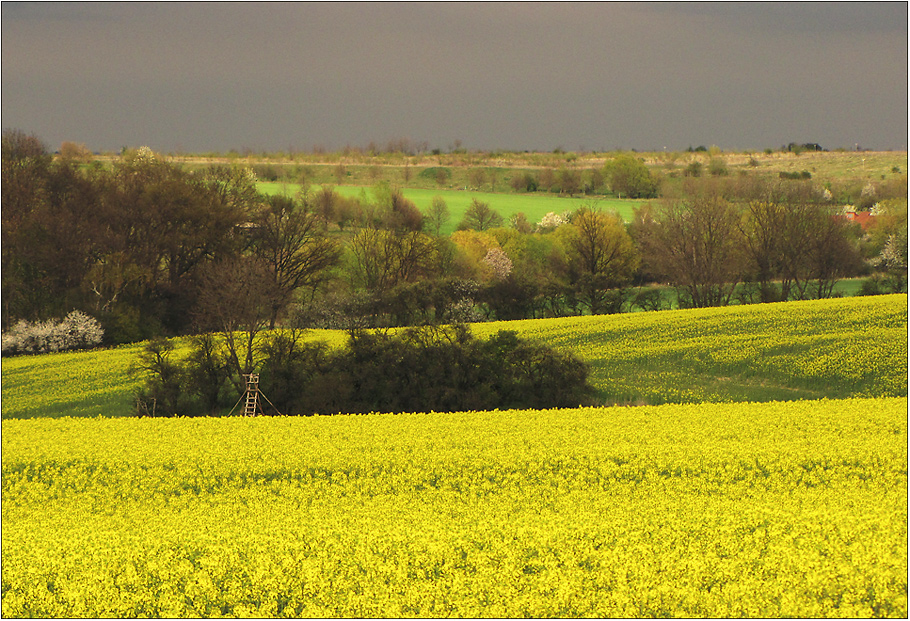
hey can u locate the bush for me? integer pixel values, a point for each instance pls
(75, 331)
(628, 176)
(717, 167)
(882, 284)
(795, 175)
(694, 169)
(267, 172)
(439, 174)
(165, 392)
(447, 369)
(432, 368)
(614, 300)
(551, 221)
(510, 298)
(649, 300)
(449, 300)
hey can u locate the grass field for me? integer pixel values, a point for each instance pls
(534, 206)
(835, 348)
(835, 166)
(825, 166)
(713, 510)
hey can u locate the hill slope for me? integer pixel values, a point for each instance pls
(849, 347)
(845, 347)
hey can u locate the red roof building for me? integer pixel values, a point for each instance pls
(863, 218)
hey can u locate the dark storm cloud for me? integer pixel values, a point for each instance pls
(214, 76)
(794, 17)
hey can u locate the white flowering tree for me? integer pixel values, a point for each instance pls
(499, 262)
(551, 221)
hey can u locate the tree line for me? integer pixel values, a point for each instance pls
(149, 248)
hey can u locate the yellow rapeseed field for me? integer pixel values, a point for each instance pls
(837, 348)
(781, 509)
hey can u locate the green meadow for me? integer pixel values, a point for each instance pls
(534, 206)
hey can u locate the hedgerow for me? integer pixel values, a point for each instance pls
(423, 369)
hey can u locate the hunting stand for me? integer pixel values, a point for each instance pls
(252, 406)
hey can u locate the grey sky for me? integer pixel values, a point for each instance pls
(215, 76)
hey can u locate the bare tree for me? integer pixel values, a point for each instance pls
(382, 259)
(761, 228)
(477, 177)
(694, 242)
(793, 237)
(546, 179)
(293, 246)
(340, 173)
(76, 152)
(401, 214)
(236, 299)
(569, 180)
(775, 229)
(832, 254)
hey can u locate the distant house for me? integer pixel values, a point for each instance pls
(863, 218)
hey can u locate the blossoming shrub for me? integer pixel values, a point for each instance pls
(551, 221)
(75, 331)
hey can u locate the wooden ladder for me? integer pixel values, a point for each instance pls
(252, 395)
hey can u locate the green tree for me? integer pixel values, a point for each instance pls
(480, 217)
(628, 177)
(602, 254)
(437, 215)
